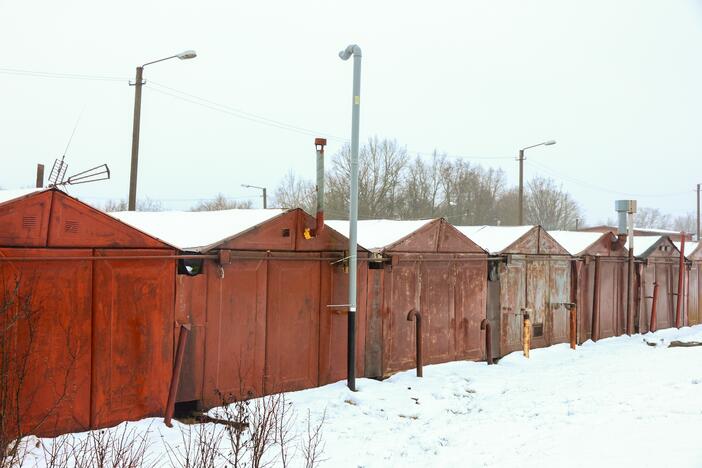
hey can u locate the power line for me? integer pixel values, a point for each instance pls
(70, 76)
(598, 187)
(224, 108)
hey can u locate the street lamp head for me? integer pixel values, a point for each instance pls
(188, 54)
(549, 142)
(352, 49)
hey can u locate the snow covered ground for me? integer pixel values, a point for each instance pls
(619, 402)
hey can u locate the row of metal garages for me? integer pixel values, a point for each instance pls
(263, 293)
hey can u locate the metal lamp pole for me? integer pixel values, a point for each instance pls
(521, 176)
(138, 82)
(263, 189)
(345, 54)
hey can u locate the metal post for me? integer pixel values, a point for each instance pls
(40, 175)
(526, 334)
(353, 208)
(521, 187)
(135, 138)
(319, 144)
(265, 204)
(485, 325)
(681, 282)
(418, 339)
(175, 375)
(630, 277)
(653, 325)
(595, 333)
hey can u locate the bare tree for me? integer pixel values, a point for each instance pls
(686, 223)
(420, 195)
(220, 202)
(145, 204)
(381, 165)
(313, 444)
(295, 192)
(548, 205)
(652, 218)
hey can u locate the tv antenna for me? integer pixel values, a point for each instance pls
(57, 176)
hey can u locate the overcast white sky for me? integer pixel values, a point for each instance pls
(617, 83)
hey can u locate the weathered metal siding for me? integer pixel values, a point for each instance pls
(292, 325)
(55, 394)
(235, 335)
(333, 335)
(470, 297)
(133, 303)
(557, 319)
(25, 221)
(695, 281)
(402, 291)
(512, 303)
(74, 224)
(191, 308)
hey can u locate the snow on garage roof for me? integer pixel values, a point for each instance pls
(196, 231)
(9, 195)
(690, 247)
(375, 234)
(576, 242)
(643, 243)
(494, 239)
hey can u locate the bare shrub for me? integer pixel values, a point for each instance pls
(198, 448)
(312, 446)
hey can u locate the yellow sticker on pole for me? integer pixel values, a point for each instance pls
(357, 100)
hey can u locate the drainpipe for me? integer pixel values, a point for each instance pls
(319, 144)
(345, 54)
(626, 210)
(681, 280)
(653, 325)
(485, 325)
(595, 335)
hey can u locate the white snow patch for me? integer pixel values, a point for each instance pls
(494, 239)
(576, 242)
(617, 402)
(196, 231)
(9, 195)
(375, 234)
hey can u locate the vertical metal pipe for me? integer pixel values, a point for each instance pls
(653, 325)
(595, 332)
(175, 375)
(485, 325)
(630, 277)
(265, 198)
(135, 138)
(319, 144)
(353, 209)
(681, 282)
(521, 187)
(526, 334)
(418, 339)
(573, 309)
(40, 175)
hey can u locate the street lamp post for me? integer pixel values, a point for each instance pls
(521, 176)
(345, 54)
(263, 189)
(138, 82)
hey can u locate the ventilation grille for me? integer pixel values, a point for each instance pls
(71, 227)
(29, 222)
(285, 232)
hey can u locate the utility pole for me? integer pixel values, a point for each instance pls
(263, 189)
(40, 176)
(345, 54)
(138, 83)
(521, 177)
